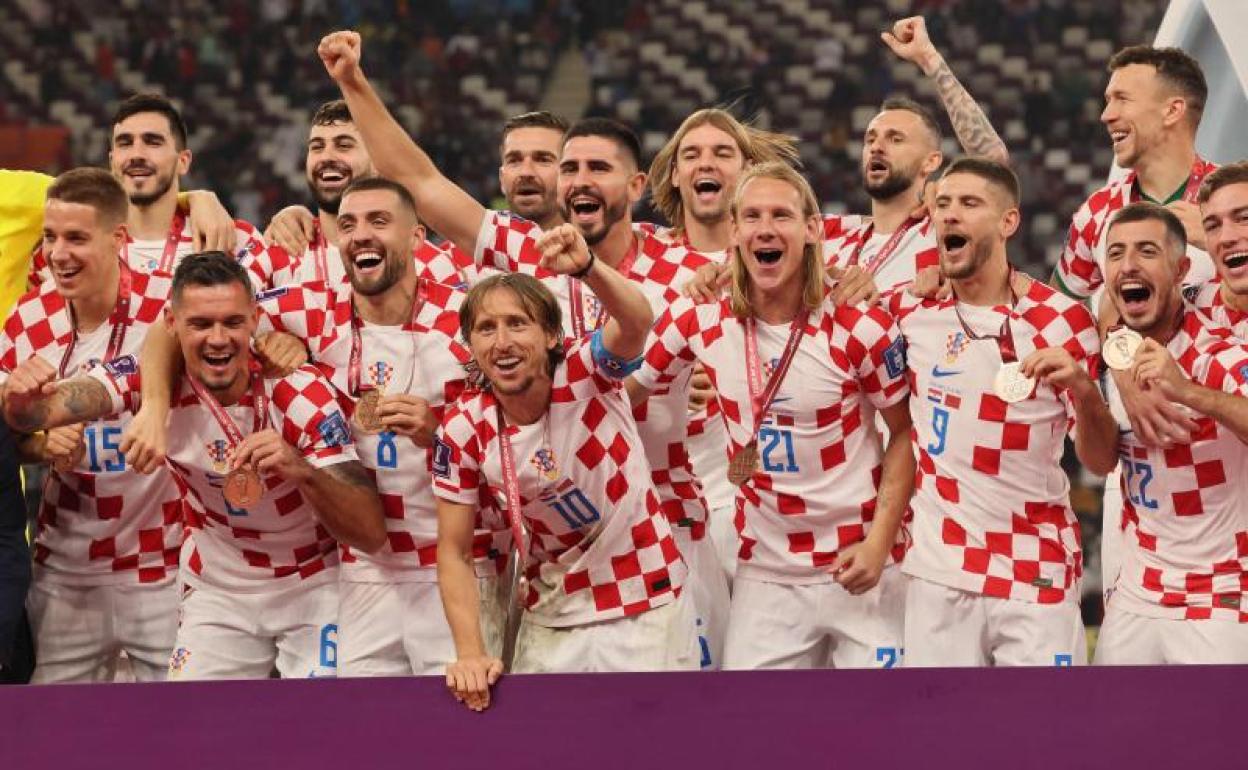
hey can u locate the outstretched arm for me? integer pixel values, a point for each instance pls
(35, 400)
(908, 39)
(442, 204)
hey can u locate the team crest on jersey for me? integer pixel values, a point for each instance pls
(151, 265)
(219, 453)
(380, 374)
(769, 368)
(179, 659)
(956, 343)
(122, 367)
(544, 461)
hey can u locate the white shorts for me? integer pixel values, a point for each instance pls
(1111, 533)
(723, 532)
(400, 629)
(707, 587)
(949, 627)
(81, 631)
(231, 635)
(662, 639)
(1130, 639)
(821, 625)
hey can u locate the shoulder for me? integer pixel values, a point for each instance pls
(39, 304)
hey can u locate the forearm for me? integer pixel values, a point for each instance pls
(32, 448)
(1096, 434)
(457, 583)
(160, 361)
(81, 399)
(346, 502)
(630, 317)
(896, 488)
(1229, 410)
(975, 133)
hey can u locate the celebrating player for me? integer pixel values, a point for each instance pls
(998, 371)
(553, 439)
(1224, 219)
(821, 503)
(1180, 592)
(107, 541)
(269, 473)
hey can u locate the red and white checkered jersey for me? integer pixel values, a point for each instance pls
(278, 540)
(424, 358)
(1081, 268)
(991, 502)
(1209, 300)
(835, 229)
(915, 251)
(100, 522)
(601, 547)
(661, 268)
(1185, 509)
(821, 460)
(441, 263)
(265, 264)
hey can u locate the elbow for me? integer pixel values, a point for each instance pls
(1099, 462)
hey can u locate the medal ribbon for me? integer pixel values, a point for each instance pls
(259, 402)
(119, 318)
(761, 395)
(887, 249)
(355, 360)
(511, 486)
(576, 295)
(319, 251)
(1005, 337)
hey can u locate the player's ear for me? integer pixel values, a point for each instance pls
(184, 161)
(636, 187)
(1010, 221)
(119, 236)
(1175, 111)
(932, 163)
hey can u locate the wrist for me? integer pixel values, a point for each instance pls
(589, 265)
(930, 62)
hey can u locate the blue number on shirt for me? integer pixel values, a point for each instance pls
(231, 510)
(98, 443)
(387, 452)
(887, 655)
(329, 645)
(576, 509)
(1139, 475)
(772, 438)
(940, 426)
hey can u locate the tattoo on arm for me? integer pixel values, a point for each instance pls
(975, 132)
(352, 474)
(31, 419)
(84, 399)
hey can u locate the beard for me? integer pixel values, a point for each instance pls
(326, 202)
(981, 251)
(162, 186)
(390, 275)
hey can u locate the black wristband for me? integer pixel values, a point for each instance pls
(584, 271)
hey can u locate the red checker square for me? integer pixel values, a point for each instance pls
(617, 487)
(1050, 596)
(952, 533)
(1015, 437)
(1187, 503)
(626, 566)
(607, 597)
(619, 449)
(594, 413)
(986, 460)
(832, 455)
(671, 553)
(1198, 584)
(126, 563)
(152, 574)
(392, 506)
(848, 534)
(801, 542)
(998, 587)
(1210, 474)
(576, 581)
(790, 505)
(1198, 613)
(1052, 550)
(1173, 599)
(151, 540)
(591, 453)
(108, 507)
(991, 408)
(105, 548)
(242, 533)
(1147, 542)
(999, 543)
(975, 560)
(257, 559)
(1179, 456)
(644, 534)
(948, 489)
(822, 559)
(1152, 579)
(311, 568)
(289, 503)
(196, 562)
(1026, 571)
(401, 542)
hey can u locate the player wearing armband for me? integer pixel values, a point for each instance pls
(107, 539)
(821, 502)
(553, 438)
(999, 372)
(268, 474)
(1180, 595)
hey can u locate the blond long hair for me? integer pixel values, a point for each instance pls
(813, 274)
(756, 145)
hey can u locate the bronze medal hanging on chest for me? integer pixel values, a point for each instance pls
(746, 461)
(242, 487)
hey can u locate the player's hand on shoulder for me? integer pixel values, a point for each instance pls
(410, 416)
(708, 283)
(701, 389)
(292, 228)
(930, 283)
(280, 353)
(469, 679)
(269, 454)
(1189, 214)
(853, 286)
(212, 227)
(340, 53)
(563, 249)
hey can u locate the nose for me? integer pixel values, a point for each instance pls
(1109, 113)
(217, 335)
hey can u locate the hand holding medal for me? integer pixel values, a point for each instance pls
(1155, 367)
(1120, 347)
(1054, 367)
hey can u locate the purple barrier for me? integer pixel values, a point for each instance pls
(1042, 718)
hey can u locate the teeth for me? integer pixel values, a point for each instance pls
(1235, 259)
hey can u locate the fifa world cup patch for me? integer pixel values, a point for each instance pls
(122, 367)
(1243, 373)
(441, 458)
(273, 293)
(895, 357)
(178, 660)
(333, 430)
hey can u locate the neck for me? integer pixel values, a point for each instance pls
(1234, 301)
(528, 407)
(888, 215)
(392, 307)
(1163, 169)
(233, 394)
(988, 287)
(94, 309)
(329, 226)
(149, 223)
(1164, 330)
(778, 305)
(620, 239)
(708, 237)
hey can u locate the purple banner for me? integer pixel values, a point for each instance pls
(1102, 718)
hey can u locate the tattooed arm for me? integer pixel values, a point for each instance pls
(35, 400)
(909, 40)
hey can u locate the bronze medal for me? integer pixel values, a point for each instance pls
(366, 416)
(1119, 348)
(242, 488)
(744, 464)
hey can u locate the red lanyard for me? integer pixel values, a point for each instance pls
(887, 249)
(761, 395)
(511, 485)
(355, 361)
(119, 318)
(259, 403)
(319, 249)
(172, 240)
(576, 298)
(1005, 337)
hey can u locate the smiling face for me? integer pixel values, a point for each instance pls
(508, 343)
(771, 233)
(1135, 112)
(145, 158)
(336, 156)
(376, 237)
(973, 220)
(896, 150)
(1144, 268)
(529, 174)
(1224, 218)
(81, 249)
(707, 164)
(598, 183)
(214, 325)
